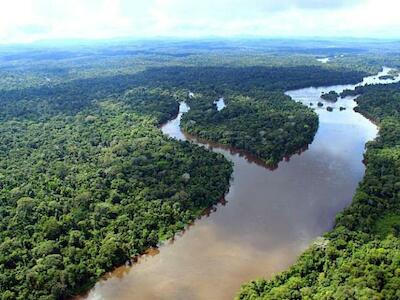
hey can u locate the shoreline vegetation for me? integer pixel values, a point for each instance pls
(359, 258)
(86, 186)
(87, 179)
(332, 96)
(258, 118)
(249, 126)
(249, 156)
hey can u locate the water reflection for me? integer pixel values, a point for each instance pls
(323, 60)
(220, 103)
(270, 217)
(172, 128)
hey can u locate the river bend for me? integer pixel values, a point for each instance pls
(269, 218)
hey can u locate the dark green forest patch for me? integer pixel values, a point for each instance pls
(270, 128)
(87, 178)
(82, 193)
(359, 258)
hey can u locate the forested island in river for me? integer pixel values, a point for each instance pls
(89, 181)
(359, 258)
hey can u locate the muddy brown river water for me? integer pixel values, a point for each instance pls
(268, 219)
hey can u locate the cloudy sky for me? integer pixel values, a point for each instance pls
(31, 20)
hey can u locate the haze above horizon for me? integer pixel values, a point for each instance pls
(105, 19)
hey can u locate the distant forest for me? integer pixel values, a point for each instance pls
(88, 180)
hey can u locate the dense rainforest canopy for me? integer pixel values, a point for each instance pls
(85, 192)
(88, 180)
(259, 118)
(270, 128)
(360, 257)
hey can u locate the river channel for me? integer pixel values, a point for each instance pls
(269, 216)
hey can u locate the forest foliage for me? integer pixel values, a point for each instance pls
(87, 178)
(269, 128)
(89, 182)
(258, 118)
(360, 257)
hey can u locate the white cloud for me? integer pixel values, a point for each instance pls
(29, 20)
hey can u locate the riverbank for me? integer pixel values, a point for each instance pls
(269, 219)
(359, 258)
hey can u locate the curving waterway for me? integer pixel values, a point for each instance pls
(268, 219)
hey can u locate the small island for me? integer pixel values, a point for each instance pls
(332, 96)
(387, 77)
(329, 108)
(320, 104)
(394, 72)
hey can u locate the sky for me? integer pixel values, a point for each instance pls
(24, 21)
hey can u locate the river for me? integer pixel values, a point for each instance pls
(323, 60)
(268, 219)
